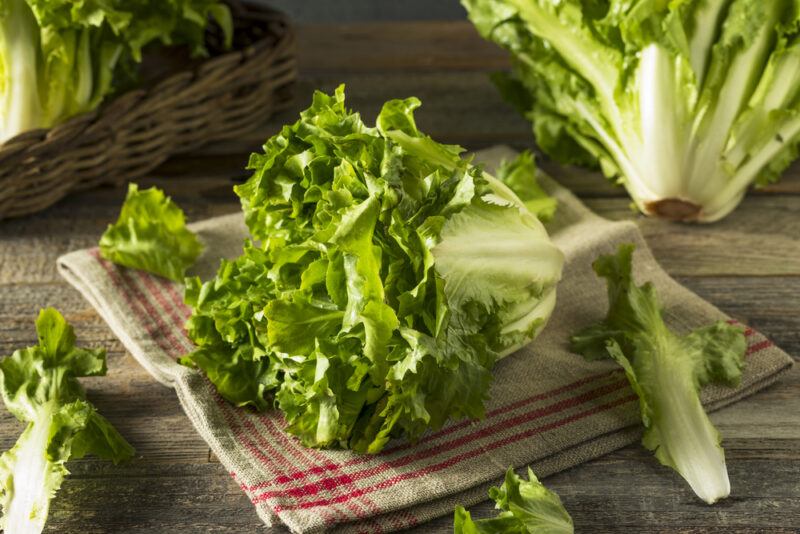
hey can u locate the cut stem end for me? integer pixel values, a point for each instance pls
(674, 209)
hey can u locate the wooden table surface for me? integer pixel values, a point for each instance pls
(748, 265)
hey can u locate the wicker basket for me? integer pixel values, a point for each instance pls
(230, 94)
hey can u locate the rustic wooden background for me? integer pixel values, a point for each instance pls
(748, 265)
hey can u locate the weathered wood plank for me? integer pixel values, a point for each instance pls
(369, 10)
(142, 498)
(589, 183)
(768, 304)
(416, 45)
(457, 107)
(758, 239)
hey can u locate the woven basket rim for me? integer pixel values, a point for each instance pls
(239, 10)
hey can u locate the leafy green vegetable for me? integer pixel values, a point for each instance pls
(687, 102)
(59, 58)
(151, 235)
(667, 371)
(527, 508)
(386, 277)
(40, 387)
(521, 176)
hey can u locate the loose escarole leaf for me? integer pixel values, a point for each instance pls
(39, 386)
(667, 371)
(686, 103)
(349, 308)
(520, 175)
(151, 235)
(527, 507)
(59, 58)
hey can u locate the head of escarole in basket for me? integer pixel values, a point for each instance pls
(61, 58)
(384, 278)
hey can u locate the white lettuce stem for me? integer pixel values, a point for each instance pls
(732, 191)
(19, 41)
(705, 30)
(716, 121)
(29, 505)
(663, 117)
(687, 441)
(536, 313)
(84, 85)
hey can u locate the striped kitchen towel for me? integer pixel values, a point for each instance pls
(549, 408)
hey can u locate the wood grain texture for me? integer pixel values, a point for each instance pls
(432, 46)
(748, 265)
(367, 10)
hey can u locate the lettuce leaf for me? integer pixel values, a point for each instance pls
(39, 386)
(521, 176)
(667, 371)
(527, 507)
(385, 277)
(151, 235)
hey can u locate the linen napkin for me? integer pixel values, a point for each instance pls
(549, 408)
